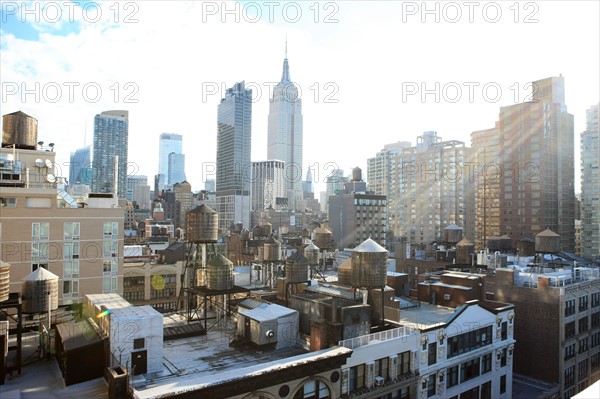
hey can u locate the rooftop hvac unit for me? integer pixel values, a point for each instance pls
(379, 381)
(446, 297)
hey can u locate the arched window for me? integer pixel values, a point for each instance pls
(313, 389)
(259, 395)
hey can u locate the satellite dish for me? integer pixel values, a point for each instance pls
(50, 178)
(49, 164)
(39, 163)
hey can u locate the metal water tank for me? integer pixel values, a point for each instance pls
(526, 247)
(356, 174)
(547, 242)
(245, 235)
(493, 243)
(19, 129)
(219, 273)
(305, 233)
(237, 228)
(256, 232)
(311, 252)
(267, 229)
(464, 249)
(505, 243)
(296, 268)
(323, 237)
(369, 265)
(4, 281)
(202, 225)
(345, 272)
(272, 250)
(39, 288)
(453, 234)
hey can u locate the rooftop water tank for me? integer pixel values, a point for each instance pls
(547, 242)
(296, 268)
(369, 265)
(38, 288)
(202, 225)
(219, 273)
(20, 130)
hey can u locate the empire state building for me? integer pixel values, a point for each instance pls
(285, 133)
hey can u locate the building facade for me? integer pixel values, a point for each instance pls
(590, 186)
(355, 217)
(285, 134)
(267, 184)
(531, 170)
(176, 173)
(431, 190)
(234, 167)
(80, 166)
(111, 130)
(138, 191)
(167, 143)
(41, 226)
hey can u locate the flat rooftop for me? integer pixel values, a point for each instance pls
(425, 316)
(201, 358)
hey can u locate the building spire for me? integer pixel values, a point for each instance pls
(285, 76)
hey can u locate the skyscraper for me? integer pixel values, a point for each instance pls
(529, 174)
(590, 185)
(80, 166)
(234, 168)
(285, 133)
(176, 172)
(110, 140)
(168, 143)
(267, 184)
(431, 192)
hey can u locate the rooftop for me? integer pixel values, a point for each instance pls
(425, 316)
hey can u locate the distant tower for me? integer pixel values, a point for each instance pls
(111, 131)
(80, 166)
(285, 133)
(234, 167)
(169, 143)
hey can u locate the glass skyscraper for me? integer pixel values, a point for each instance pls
(285, 133)
(170, 143)
(80, 166)
(111, 130)
(590, 185)
(234, 168)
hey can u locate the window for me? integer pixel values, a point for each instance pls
(486, 390)
(40, 231)
(504, 331)
(139, 343)
(569, 351)
(452, 376)
(110, 267)
(595, 339)
(111, 229)
(570, 330)
(569, 377)
(596, 320)
(503, 384)
(469, 341)
(70, 269)
(110, 248)
(109, 285)
(486, 363)
(8, 202)
(71, 230)
(582, 370)
(583, 345)
(469, 370)
(503, 357)
(431, 385)
(583, 324)
(595, 362)
(403, 363)
(583, 303)
(595, 299)
(70, 287)
(432, 353)
(313, 389)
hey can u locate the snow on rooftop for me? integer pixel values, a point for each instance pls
(267, 312)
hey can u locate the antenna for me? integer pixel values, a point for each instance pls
(286, 45)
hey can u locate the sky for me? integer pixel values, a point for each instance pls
(370, 73)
